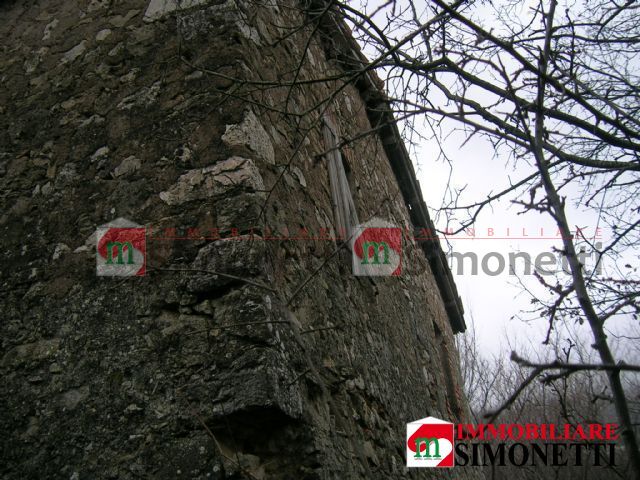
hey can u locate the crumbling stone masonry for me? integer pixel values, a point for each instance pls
(169, 114)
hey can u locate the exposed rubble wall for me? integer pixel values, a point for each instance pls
(132, 108)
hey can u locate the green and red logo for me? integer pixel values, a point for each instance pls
(377, 249)
(121, 249)
(430, 443)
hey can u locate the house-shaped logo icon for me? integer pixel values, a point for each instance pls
(430, 443)
(377, 249)
(121, 249)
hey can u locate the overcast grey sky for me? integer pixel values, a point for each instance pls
(498, 303)
(494, 300)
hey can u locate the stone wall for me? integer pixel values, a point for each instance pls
(131, 108)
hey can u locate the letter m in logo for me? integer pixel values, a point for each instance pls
(371, 250)
(119, 247)
(427, 442)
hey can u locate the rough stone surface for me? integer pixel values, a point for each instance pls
(228, 359)
(216, 180)
(128, 166)
(159, 8)
(249, 138)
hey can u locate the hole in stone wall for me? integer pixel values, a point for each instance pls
(266, 442)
